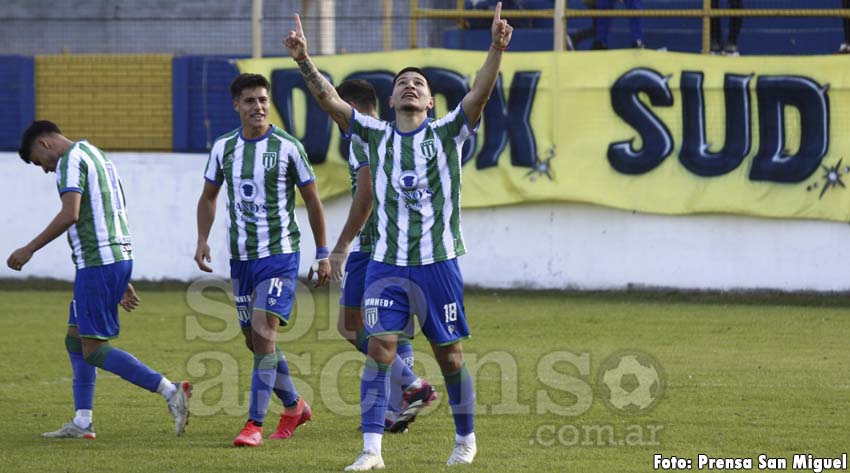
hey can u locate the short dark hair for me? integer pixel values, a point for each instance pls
(35, 131)
(247, 81)
(412, 69)
(358, 92)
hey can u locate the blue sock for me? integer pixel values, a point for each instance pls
(461, 399)
(125, 365)
(84, 374)
(373, 396)
(405, 351)
(283, 386)
(401, 377)
(262, 383)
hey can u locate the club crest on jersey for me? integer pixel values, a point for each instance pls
(370, 318)
(248, 190)
(269, 161)
(428, 148)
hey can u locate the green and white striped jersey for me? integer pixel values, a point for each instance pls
(416, 178)
(101, 235)
(260, 177)
(356, 159)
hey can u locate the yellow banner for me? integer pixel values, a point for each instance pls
(638, 130)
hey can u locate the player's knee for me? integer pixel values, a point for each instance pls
(450, 358)
(261, 344)
(382, 348)
(73, 344)
(95, 351)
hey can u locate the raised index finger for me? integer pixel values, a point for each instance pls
(498, 15)
(298, 25)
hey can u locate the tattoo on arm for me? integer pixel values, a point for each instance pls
(314, 80)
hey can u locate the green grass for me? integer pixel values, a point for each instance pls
(744, 375)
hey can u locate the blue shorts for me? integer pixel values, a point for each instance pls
(97, 292)
(433, 292)
(354, 280)
(266, 284)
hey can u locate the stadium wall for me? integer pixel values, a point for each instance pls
(119, 101)
(537, 246)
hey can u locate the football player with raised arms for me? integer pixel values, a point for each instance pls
(408, 393)
(415, 164)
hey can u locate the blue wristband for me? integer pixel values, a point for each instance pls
(322, 252)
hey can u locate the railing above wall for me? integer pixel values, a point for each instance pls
(706, 13)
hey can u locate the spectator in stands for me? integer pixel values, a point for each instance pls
(731, 46)
(845, 45)
(575, 39)
(604, 24)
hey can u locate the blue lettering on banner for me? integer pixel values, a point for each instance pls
(656, 138)
(775, 94)
(507, 121)
(695, 155)
(511, 122)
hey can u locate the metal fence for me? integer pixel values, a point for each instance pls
(218, 27)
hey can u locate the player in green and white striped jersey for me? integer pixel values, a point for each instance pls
(404, 383)
(260, 165)
(415, 166)
(94, 214)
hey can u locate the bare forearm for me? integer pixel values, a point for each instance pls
(485, 80)
(316, 216)
(358, 215)
(206, 217)
(59, 225)
(474, 101)
(321, 89)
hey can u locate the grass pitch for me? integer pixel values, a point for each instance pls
(742, 376)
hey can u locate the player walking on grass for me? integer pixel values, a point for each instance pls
(415, 167)
(95, 217)
(260, 165)
(408, 393)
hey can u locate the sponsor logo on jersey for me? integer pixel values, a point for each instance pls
(408, 181)
(248, 190)
(378, 302)
(428, 148)
(269, 161)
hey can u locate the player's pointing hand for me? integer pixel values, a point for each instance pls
(500, 29)
(296, 42)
